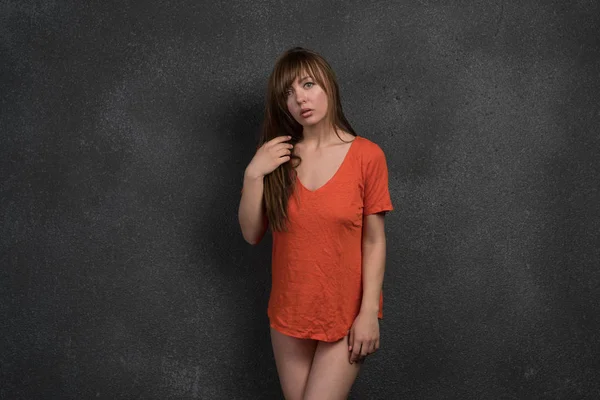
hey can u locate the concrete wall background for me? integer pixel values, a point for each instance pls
(126, 127)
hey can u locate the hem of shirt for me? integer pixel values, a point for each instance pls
(378, 209)
(317, 336)
(314, 336)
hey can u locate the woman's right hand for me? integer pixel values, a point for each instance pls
(270, 156)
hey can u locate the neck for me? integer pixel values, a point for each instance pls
(319, 135)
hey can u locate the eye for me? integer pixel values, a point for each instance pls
(309, 83)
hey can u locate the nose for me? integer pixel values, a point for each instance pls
(300, 96)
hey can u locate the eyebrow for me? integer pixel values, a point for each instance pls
(301, 80)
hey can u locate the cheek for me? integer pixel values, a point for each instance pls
(323, 99)
(290, 105)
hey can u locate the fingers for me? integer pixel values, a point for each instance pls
(283, 159)
(366, 349)
(279, 150)
(283, 151)
(375, 346)
(359, 350)
(352, 345)
(283, 155)
(355, 347)
(279, 139)
(355, 354)
(350, 339)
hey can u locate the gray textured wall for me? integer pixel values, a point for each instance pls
(126, 127)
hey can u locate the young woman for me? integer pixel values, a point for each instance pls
(323, 190)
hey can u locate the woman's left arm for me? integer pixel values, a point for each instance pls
(364, 335)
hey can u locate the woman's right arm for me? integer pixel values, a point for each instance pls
(251, 213)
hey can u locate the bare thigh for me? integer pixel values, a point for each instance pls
(331, 375)
(293, 358)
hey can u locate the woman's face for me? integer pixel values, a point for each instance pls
(306, 100)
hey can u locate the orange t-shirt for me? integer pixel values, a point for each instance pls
(317, 265)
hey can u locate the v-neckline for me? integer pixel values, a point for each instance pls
(334, 174)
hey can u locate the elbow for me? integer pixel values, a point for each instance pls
(252, 239)
(251, 231)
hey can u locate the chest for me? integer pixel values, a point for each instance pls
(318, 167)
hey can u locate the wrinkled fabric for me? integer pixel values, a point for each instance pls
(316, 288)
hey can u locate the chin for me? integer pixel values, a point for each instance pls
(310, 122)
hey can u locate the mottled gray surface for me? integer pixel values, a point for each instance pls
(126, 126)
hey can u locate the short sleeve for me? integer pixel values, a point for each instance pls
(376, 196)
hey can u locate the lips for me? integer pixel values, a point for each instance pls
(306, 112)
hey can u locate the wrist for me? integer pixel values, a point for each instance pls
(372, 309)
(253, 176)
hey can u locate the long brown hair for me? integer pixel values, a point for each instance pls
(279, 184)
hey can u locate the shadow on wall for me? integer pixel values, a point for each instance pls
(567, 268)
(243, 271)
